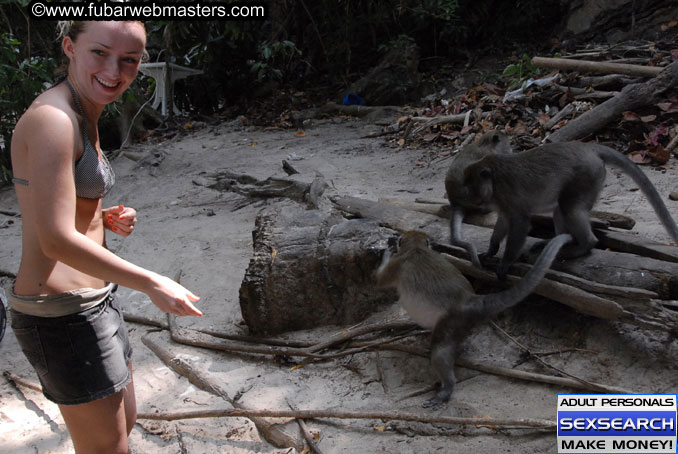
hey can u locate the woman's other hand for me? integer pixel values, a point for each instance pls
(120, 219)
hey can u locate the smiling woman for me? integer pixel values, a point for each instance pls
(107, 60)
(63, 307)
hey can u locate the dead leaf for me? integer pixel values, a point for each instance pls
(274, 254)
(300, 134)
(648, 118)
(420, 163)
(630, 116)
(560, 124)
(518, 129)
(430, 137)
(450, 136)
(659, 132)
(401, 142)
(379, 428)
(668, 107)
(298, 366)
(403, 119)
(640, 157)
(659, 154)
(544, 118)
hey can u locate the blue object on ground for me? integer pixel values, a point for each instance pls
(353, 99)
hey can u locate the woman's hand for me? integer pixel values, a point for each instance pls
(120, 219)
(171, 297)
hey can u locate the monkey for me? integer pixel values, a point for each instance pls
(565, 178)
(493, 142)
(437, 296)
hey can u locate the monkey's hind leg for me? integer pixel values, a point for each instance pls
(446, 335)
(577, 219)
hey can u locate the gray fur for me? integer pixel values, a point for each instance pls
(565, 178)
(438, 296)
(493, 142)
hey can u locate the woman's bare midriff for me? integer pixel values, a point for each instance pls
(39, 274)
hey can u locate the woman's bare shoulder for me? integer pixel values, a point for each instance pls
(49, 118)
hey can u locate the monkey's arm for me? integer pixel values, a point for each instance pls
(388, 273)
(498, 234)
(455, 236)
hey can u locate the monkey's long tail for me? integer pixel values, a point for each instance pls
(615, 158)
(494, 303)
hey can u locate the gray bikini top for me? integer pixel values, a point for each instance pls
(94, 177)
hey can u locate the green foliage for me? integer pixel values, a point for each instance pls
(308, 45)
(401, 43)
(21, 80)
(274, 59)
(519, 72)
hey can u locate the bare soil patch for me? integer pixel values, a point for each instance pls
(207, 235)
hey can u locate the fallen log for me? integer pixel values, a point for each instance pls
(441, 208)
(584, 93)
(624, 242)
(606, 80)
(565, 112)
(631, 97)
(300, 191)
(294, 247)
(604, 267)
(596, 67)
(428, 122)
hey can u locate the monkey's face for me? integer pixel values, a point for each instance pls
(478, 183)
(413, 239)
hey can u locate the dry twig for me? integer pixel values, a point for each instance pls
(386, 345)
(588, 384)
(267, 429)
(308, 436)
(523, 423)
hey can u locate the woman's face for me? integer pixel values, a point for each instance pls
(104, 59)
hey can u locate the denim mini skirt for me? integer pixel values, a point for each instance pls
(79, 357)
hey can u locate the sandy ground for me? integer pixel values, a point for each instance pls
(207, 235)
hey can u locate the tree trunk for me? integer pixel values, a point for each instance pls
(311, 268)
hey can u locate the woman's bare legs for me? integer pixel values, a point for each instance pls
(102, 426)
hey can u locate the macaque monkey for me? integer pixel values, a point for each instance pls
(493, 142)
(438, 297)
(565, 178)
